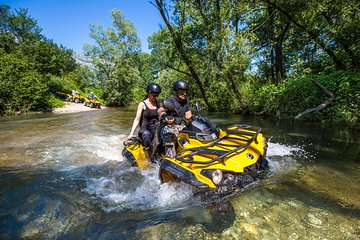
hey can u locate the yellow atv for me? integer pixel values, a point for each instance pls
(77, 98)
(208, 157)
(93, 103)
(62, 96)
(135, 153)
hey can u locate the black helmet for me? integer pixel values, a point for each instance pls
(180, 85)
(153, 88)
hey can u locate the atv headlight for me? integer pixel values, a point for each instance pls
(217, 176)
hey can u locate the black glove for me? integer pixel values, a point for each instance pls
(178, 120)
(162, 117)
(167, 119)
(193, 117)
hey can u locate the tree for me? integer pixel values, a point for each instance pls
(114, 58)
(32, 65)
(333, 25)
(206, 40)
(17, 28)
(21, 87)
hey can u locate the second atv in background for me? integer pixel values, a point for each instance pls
(75, 98)
(92, 101)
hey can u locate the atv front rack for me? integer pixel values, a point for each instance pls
(247, 136)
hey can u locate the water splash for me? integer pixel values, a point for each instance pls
(106, 147)
(81, 151)
(120, 188)
(283, 159)
(134, 189)
(277, 149)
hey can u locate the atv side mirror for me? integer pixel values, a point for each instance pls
(169, 105)
(198, 108)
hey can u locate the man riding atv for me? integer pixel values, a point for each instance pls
(172, 112)
(200, 153)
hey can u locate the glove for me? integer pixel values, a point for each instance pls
(162, 117)
(169, 119)
(177, 120)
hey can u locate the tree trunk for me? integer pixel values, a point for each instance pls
(216, 56)
(323, 45)
(279, 57)
(272, 39)
(183, 55)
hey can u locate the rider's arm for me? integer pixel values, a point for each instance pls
(161, 111)
(163, 116)
(188, 115)
(139, 111)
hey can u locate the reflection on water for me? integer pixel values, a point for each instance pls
(62, 176)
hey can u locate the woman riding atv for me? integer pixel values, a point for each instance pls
(199, 153)
(147, 116)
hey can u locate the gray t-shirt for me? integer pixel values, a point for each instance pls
(180, 107)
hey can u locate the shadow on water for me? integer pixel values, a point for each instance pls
(35, 202)
(45, 203)
(129, 225)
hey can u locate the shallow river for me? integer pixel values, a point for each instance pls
(62, 177)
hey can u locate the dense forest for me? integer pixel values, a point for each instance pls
(289, 59)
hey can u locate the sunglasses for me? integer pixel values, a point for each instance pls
(154, 94)
(182, 92)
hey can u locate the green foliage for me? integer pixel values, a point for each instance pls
(55, 102)
(32, 67)
(49, 58)
(202, 43)
(294, 96)
(254, 57)
(147, 72)
(21, 88)
(114, 57)
(346, 87)
(220, 48)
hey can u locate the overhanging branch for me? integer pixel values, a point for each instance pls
(321, 106)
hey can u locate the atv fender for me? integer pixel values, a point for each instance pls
(167, 168)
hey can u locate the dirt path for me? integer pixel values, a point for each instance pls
(74, 107)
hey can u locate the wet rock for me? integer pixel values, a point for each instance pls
(314, 221)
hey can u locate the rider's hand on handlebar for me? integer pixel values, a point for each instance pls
(129, 137)
(193, 117)
(169, 119)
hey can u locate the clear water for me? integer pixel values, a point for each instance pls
(62, 177)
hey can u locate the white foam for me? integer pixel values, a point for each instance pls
(80, 150)
(150, 194)
(145, 192)
(277, 149)
(107, 147)
(283, 158)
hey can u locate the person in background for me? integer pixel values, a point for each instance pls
(147, 117)
(91, 96)
(73, 93)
